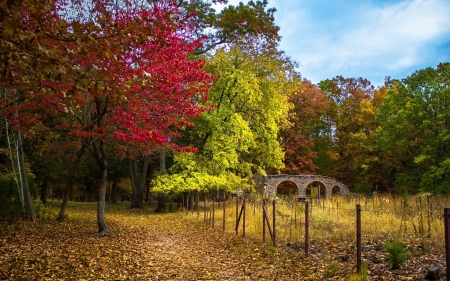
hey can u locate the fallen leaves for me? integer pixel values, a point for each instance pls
(147, 246)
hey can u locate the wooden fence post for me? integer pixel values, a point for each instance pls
(264, 220)
(237, 211)
(306, 229)
(358, 237)
(204, 208)
(267, 222)
(212, 214)
(242, 212)
(243, 222)
(447, 239)
(196, 203)
(274, 223)
(224, 208)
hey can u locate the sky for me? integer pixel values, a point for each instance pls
(371, 39)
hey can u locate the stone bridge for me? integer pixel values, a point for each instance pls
(268, 185)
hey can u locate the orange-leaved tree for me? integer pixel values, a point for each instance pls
(307, 123)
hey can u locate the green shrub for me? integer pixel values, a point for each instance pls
(43, 212)
(397, 253)
(10, 199)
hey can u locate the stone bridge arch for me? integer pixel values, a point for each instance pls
(268, 185)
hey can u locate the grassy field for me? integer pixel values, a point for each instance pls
(183, 245)
(383, 218)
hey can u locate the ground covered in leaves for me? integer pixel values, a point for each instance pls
(147, 246)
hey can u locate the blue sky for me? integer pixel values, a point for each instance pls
(370, 39)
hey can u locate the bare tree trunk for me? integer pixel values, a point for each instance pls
(100, 156)
(114, 191)
(63, 207)
(44, 191)
(29, 200)
(162, 169)
(150, 193)
(133, 176)
(68, 191)
(138, 187)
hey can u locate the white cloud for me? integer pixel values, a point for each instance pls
(368, 39)
(361, 38)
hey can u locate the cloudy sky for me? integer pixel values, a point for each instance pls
(370, 39)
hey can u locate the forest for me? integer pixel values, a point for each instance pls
(129, 100)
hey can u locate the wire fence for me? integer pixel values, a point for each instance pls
(381, 217)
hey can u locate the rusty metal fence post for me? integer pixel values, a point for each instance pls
(264, 220)
(267, 222)
(274, 223)
(224, 213)
(243, 217)
(204, 209)
(306, 229)
(197, 207)
(212, 212)
(447, 239)
(238, 219)
(237, 213)
(358, 237)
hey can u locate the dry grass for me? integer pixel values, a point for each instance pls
(331, 221)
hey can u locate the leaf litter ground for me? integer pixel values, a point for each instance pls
(147, 246)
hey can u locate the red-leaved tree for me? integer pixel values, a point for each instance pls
(124, 78)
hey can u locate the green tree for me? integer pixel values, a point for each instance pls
(414, 127)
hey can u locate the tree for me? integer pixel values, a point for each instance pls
(239, 135)
(131, 79)
(350, 108)
(232, 25)
(414, 122)
(307, 125)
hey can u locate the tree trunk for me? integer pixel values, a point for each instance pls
(148, 194)
(161, 207)
(196, 200)
(114, 191)
(147, 191)
(62, 209)
(68, 191)
(44, 191)
(28, 198)
(102, 226)
(100, 156)
(162, 169)
(138, 187)
(133, 176)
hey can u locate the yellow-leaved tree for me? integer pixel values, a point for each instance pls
(239, 136)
